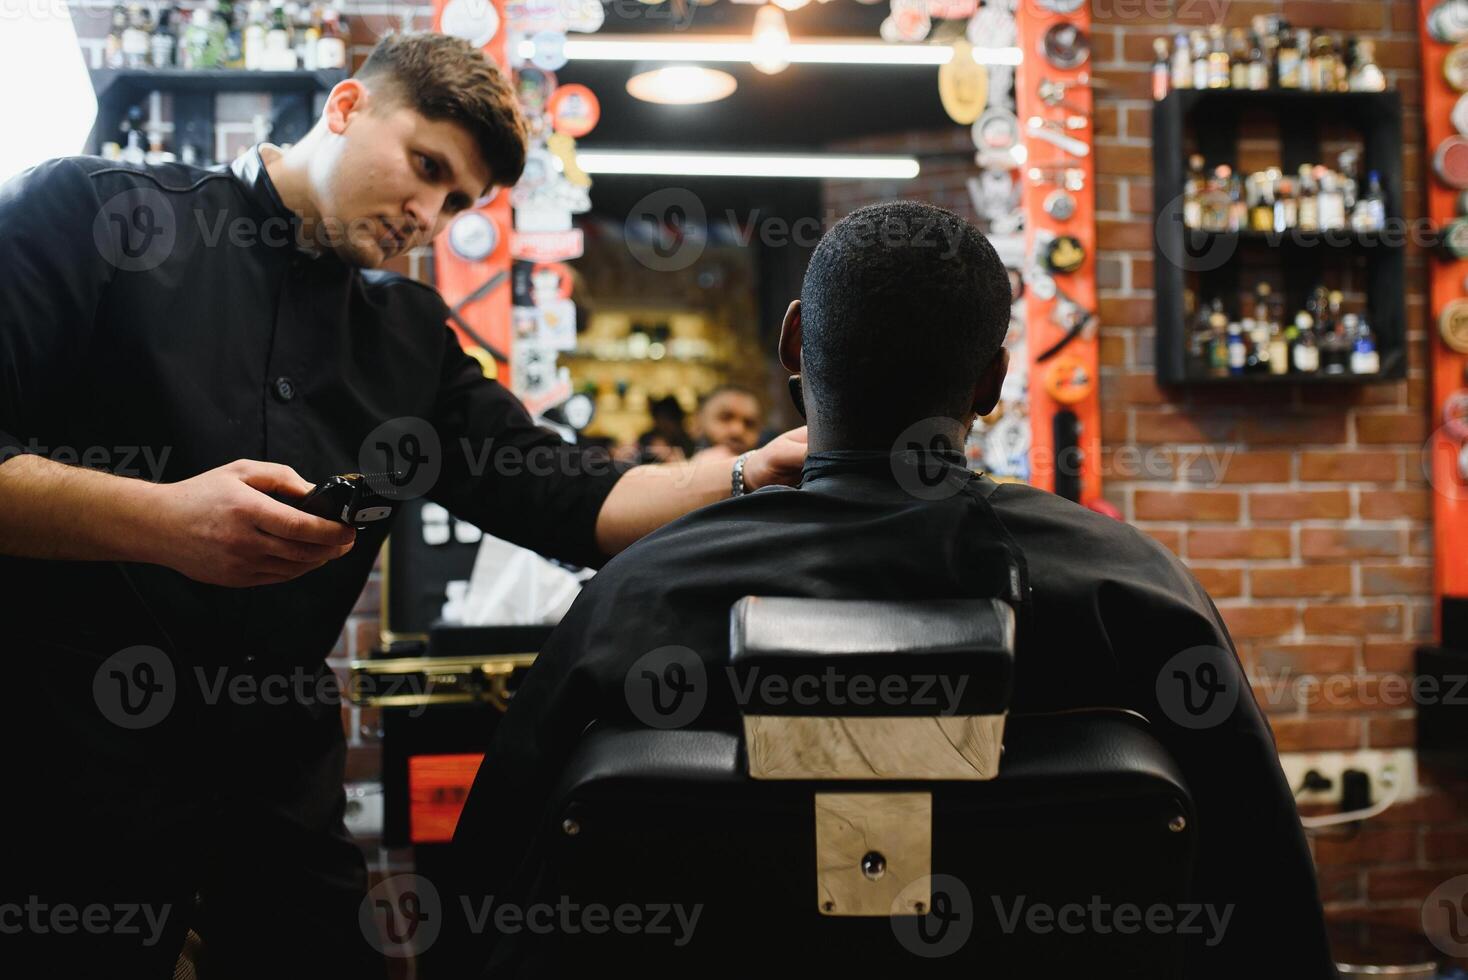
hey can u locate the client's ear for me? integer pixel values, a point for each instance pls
(790, 339)
(990, 384)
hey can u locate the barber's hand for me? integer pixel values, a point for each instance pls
(221, 527)
(778, 461)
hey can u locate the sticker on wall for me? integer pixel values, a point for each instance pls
(996, 135)
(533, 89)
(584, 16)
(1453, 325)
(963, 85)
(534, 16)
(1065, 46)
(564, 149)
(549, 282)
(550, 50)
(909, 22)
(1065, 254)
(952, 9)
(1455, 67)
(548, 246)
(473, 20)
(473, 236)
(557, 324)
(1450, 162)
(574, 110)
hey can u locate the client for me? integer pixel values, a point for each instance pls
(896, 345)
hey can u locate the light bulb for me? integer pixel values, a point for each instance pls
(771, 40)
(791, 4)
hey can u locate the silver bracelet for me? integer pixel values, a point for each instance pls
(736, 479)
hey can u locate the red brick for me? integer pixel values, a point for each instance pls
(1239, 543)
(1391, 884)
(1396, 579)
(1299, 505)
(1292, 430)
(1256, 620)
(1342, 15)
(1370, 846)
(1391, 731)
(1123, 236)
(1140, 388)
(1169, 538)
(1387, 504)
(1399, 427)
(1355, 619)
(1390, 656)
(1341, 467)
(1126, 312)
(1304, 580)
(1125, 159)
(1220, 583)
(1376, 692)
(1196, 505)
(1175, 427)
(1261, 467)
(1112, 350)
(1273, 659)
(1316, 734)
(1338, 884)
(1444, 844)
(1334, 542)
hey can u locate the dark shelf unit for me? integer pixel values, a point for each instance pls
(1211, 260)
(296, 99)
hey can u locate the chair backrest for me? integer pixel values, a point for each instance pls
(880, 810)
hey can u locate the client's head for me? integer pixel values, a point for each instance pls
(901, 318)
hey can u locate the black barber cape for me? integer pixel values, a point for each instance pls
(1108, 607)
(161, 321)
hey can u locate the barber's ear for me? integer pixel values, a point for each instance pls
(990, 384)
(790, 339)
(345, 100)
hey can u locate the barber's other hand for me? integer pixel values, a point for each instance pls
(223, 528)
(778, 461)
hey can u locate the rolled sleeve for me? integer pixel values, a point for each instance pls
(512, 478)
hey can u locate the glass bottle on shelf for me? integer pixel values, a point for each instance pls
(1261, 208)
(1286, 206)
(1238, 350)
(1238, 59)
(1218, 352)
(279, 55)
(1216, 201)
(307, 20)
(112, 54)
(1330, 202)
(1306, 354)
(1182, 62)
(1161, 70)
(163, 48)
(1370, 211)
(254, 35)
(136, 47)
(1279, 350)
(1193, 193)
(331, 50)
(1365, 75)
(1258, 74)
(1364, 357)
(1200, 59)
(1218, 67)
(1288, 58)
(1305, 42)
(229, 30)
(1308, 207)
(1323, 60)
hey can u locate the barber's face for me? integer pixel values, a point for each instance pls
(390, 179)
(732, 419)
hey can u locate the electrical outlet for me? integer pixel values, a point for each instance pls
(1379, 764)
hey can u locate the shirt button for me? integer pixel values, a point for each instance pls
(285, 388)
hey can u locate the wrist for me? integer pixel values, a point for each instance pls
(145, 516)
(751, 477)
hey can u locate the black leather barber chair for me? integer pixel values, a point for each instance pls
(933, 835)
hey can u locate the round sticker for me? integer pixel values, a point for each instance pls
(1450, 162)
(952, 9)
(574, 110)
(1448, 22)
(540, 168)
(1065, 254)
(550, 281)
(1455, 238)
(473, 20)
(910, 22)
(533, 89)
(963, 84)
(473, 236)
(1067, 380)
(1455, 414)
(1460, 114)
(584, 16)
(1452, 323)
(1060, 205)
(550, 50)
(1061, 6)
(1065, 46)
(1455, 67)
(996, 130)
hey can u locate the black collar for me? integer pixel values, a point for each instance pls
(893, 466)
(250, 171)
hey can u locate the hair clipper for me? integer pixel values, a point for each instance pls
(348, 498)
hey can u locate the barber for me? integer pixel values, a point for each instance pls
(210, 344)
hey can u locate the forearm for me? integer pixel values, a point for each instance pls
(52, 510)
(648, 497)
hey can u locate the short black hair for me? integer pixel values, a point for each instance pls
(903, 305)
(728, 387)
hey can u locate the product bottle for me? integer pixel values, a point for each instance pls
(1238, 59)
(331, 50)
(233, 37)
(1306, 353)
(1279, 351)
(1219, 75)
(1289, 58)
(254, 35)
(112, 56)
(1364, 358)
(136, 45)
(1182, 63)
(1308, 216)
(1193, 193)
(1200, 60)
(1258, 66)
(165, 38)
(1331, 203)
(1161, 70)
(1365, 75)
(1370, 212)
(279, 56)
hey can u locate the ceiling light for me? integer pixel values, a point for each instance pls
(681, 85)
(672, 163)
(771, 42)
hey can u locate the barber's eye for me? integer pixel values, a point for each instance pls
(429, 165)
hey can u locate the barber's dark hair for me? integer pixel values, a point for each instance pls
(727, 387)
(447, 78)
(903, 305)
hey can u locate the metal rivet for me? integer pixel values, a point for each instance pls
(873, 865)
(1177, 824)
(828, 906)
(571, 827)
(920, 908)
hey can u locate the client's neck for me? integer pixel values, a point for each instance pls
(824, 436)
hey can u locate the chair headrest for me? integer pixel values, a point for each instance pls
(873, 658)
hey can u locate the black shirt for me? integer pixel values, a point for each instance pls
(162, 321)
(1108, 609)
